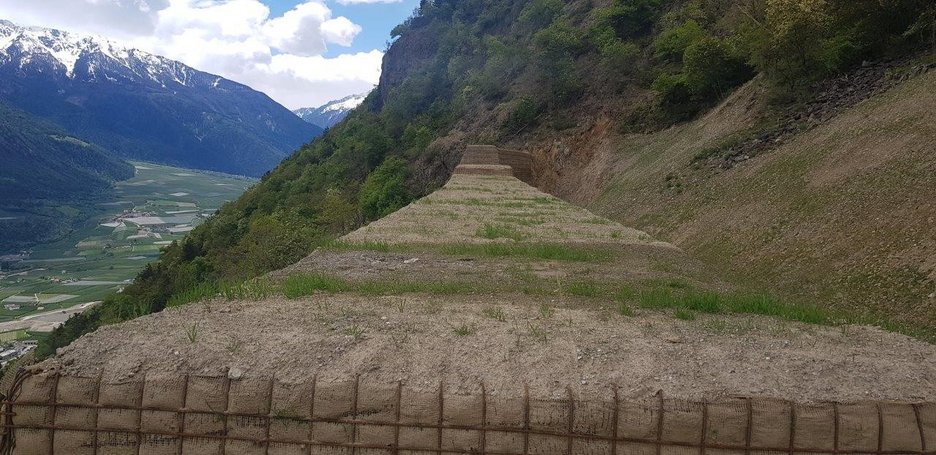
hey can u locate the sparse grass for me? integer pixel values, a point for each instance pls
(355, 331)
(492, 232)
(684, 315)
(583, 289)
(304, 284)
(191, 333)
(546, 310)
(538, 333)
(544, 251)
(668, 297)
(338, 245)
(703, 302)
(494, 313)
(625, 310)
(309, 283)
(463, 330)
(234, 346)
(598, 220)
(723, 327)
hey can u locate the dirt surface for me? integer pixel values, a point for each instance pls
(422, 339)
(468, 203)
(511, 320)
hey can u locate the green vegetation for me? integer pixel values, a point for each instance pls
(305, 284)
(684, 314)
(583, 289)
(463, 330)
(457, 59)
(552, 252)
(494, 313)
(492, 232)
(191, 333)
(543, 251)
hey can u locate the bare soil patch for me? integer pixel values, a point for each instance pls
(507, 341)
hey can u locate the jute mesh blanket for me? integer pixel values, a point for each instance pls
(53, 414)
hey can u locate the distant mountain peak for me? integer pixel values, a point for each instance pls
(144, 106)
(88, 57)
(332, 112)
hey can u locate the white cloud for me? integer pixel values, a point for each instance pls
(237, 39)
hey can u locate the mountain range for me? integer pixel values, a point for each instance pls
(332, 112)
(142, 106)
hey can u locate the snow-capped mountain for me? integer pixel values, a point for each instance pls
(329, 114)
(144, 106)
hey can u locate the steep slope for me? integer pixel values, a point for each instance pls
(332, 112)
(565, 80)
(144, 106)
(45, 170)
(841, 214)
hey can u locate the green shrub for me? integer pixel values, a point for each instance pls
(711, 69)
(672, 42)
(384, 191)
(673, 89)
(524, 115)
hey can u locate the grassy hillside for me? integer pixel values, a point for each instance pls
(841, 214)
(45, 176)
(545, 75)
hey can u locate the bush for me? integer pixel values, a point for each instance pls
(619, 57)
(711, 69)
(672, 88)
(384, 191)
(524, 115)
(631, 18)
(672, 43)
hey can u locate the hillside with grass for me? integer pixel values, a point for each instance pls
(639, 109)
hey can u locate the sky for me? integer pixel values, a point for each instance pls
(302, 53)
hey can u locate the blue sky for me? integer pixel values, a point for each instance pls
(376, 19)
(303, 53)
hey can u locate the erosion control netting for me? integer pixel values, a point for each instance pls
(47, 414)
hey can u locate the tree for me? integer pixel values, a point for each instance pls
(711, 69)
(793, 54)
(384, 191)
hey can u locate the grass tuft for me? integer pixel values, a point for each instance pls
(309, 283)
(583, 289)
(492, 232)
(684, 314)
(494, 313)
(464, 330)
